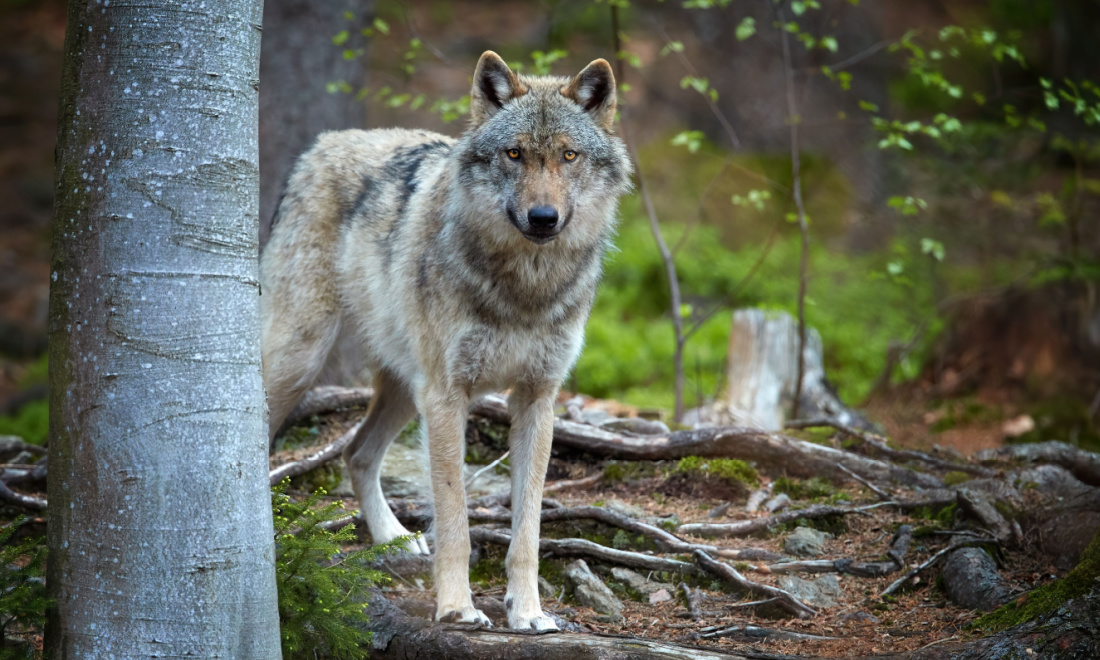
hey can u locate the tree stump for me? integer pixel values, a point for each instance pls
(762, 375)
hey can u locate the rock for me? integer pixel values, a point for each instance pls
(718, 511)
(638, 582)
(971, 580)
(624, 508)
(780, 501)
(636, 425)
(858, 617)
(821, 592)
(546, 590)
(591, 592)
(659, 596)
(404, 473)
(806, 542)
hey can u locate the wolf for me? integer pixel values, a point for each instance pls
(463, 267)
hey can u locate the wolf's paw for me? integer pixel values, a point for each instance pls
(538, 622)
(389, 530)
(469, 614)
(417, 545)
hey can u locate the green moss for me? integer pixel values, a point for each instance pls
(816, 487)
(490, 569)
(732, 471)
(954, 478)
(1049, 596)
(619, 471)
(817, 435)
(31, 422)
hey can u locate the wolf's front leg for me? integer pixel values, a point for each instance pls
(445, 418)
(532, 433)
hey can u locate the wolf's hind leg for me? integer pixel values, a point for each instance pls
(532, 432)
(295, 348)
(390, 410)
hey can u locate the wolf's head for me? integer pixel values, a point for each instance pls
(540, 162)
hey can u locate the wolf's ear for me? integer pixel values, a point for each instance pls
(594, 90)
(494, 85)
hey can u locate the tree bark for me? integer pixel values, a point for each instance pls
(160, 535)
(298, 61)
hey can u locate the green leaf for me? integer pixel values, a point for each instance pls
(746, 28)
(690, 139)
(933, 248)
(340, 38)
(381, 26)
(868, 106)
(829, 44)
(672, 47)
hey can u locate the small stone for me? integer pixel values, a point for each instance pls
(821, 592)
(859, 617)
(546, 590)
(624, 508)
(638, 582)
(659, 596)
(780, 501)
(718, 511)
(805, 542)
(591, 592)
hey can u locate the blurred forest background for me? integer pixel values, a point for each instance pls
(949, 159)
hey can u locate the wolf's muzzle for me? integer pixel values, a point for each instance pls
(542, 223)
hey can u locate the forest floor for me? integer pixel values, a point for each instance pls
(857, 621)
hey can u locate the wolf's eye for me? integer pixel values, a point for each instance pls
(513, 154)
(570, 154)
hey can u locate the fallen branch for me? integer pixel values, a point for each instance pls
(798, 457)
(747, 527)
(897, 584)
(731, 575)
(879, 445)
(666, 541)
(397, 635)
(19, 499)
(583, 548)
(318, 458)
(1083, 464)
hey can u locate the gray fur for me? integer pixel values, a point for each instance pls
(422, 245)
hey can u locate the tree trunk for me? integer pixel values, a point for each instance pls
(298, 61)
(160, 535)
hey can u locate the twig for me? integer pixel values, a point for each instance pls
(747, 527)
(572, 483)
(693, 597)
(731, 575)
(666, 541)
(583, 548)
(320, 457)
(19, 499)
(897, 584)
(485, 469)
(882, 495)
(757, 632)
(793, 120)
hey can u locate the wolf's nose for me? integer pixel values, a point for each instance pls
(542, 217)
